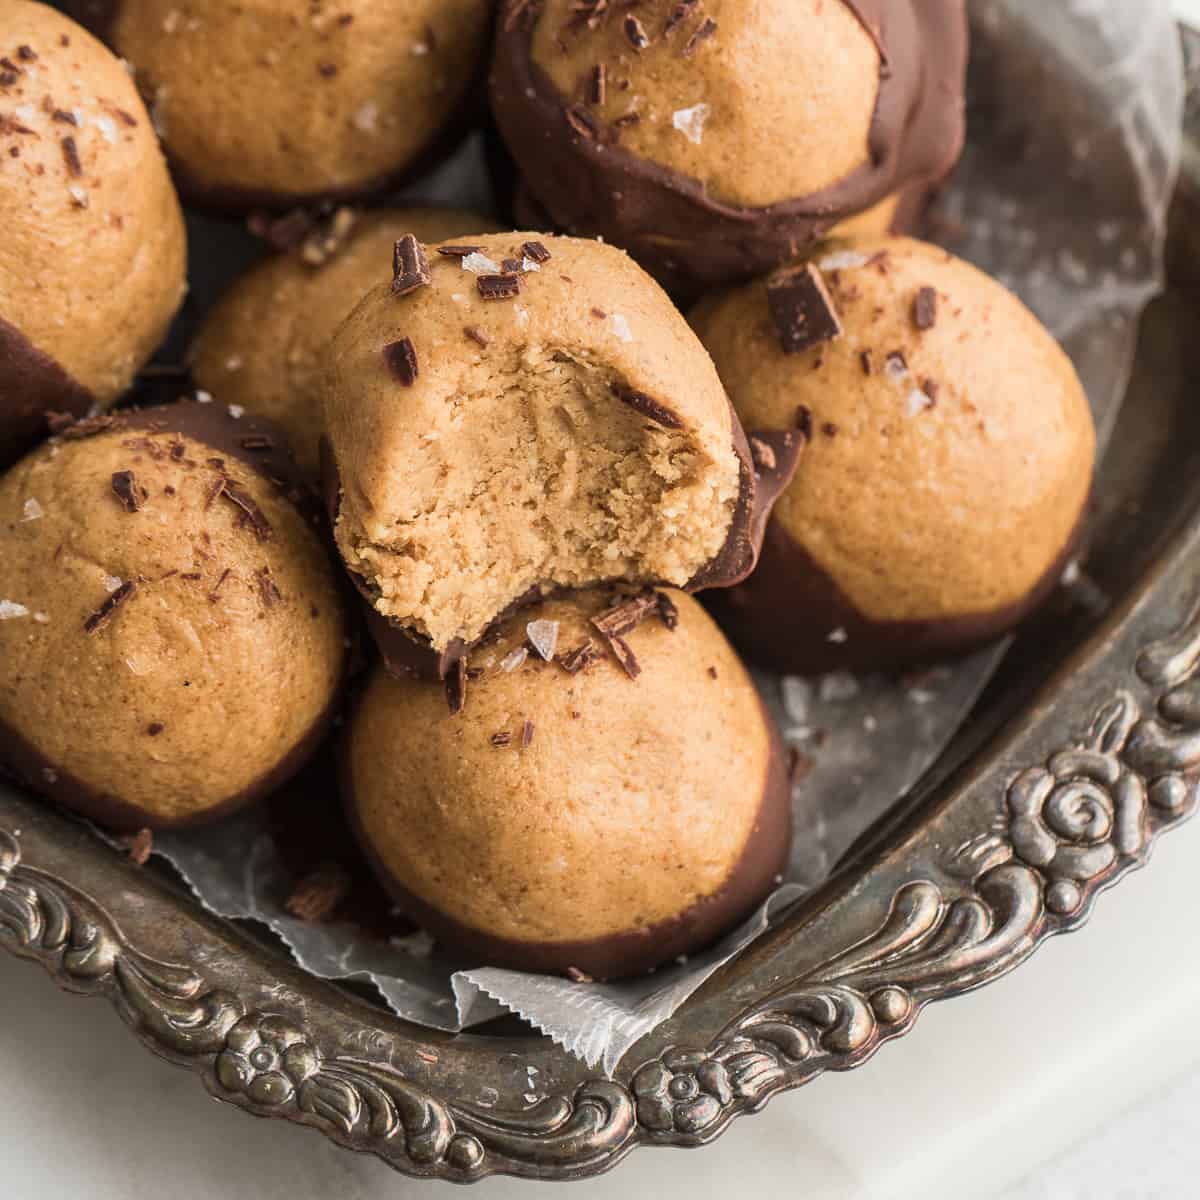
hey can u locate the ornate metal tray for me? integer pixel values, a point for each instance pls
(1084, 751)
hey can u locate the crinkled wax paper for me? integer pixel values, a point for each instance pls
(1075, 117)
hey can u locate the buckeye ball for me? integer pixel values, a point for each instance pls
(512, 415)
(171, 630)
(261, 346)
(949, 465)
(714, 140)
(270, 103)
(603, 801)
(92, 254)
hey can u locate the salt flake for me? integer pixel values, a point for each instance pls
(514, 659)
(843, 260)
(690, 122)
(33, 510)
(10, 610)
(112, 582)
(480, 264)
(543, 637)
(236, 411)
(620, 328)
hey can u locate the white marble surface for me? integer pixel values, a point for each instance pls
(983, 1091)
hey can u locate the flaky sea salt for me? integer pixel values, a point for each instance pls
(843, 260)
(543, 637)
(78, 195)
(233, 364)
(514, 659)
(917, 402)
(620, 328)
(10, 610)
(42, 618)
(527, 265)
(690, 122)
(480, 264)
(32, 511)
(108, 129)
(112, 582)
(236, 411)
(838, 637)
(203, 397)
(366, 117)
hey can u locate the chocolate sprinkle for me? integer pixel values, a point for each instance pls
(802, 308)
(581, 121)
(498, 287)
(401, 359)
(864, 360)
(635, 33)
(651, 408)
(267, 588)
(410, 267)
(477, 335)
(501, 739)
(679, 14)
(64, 117)
(71, 157)
(327, 69)
(125, 489)
(456, 687)
(580, 658)
(155, 728)
(668, 612)
(225, 574)
(701, 35)
(512, 266)
(598, 86)
(925, 308)
(252, 515)
(535, 252)
(804, 422)
(624, 655)
(26, 54)
(105, 612)
(526, 734)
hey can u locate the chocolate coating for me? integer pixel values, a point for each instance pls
(780, 616)
(31, 385)
(763, 859)
(669, 221)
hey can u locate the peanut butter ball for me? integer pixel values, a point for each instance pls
(92, 254)
(272, 103)
(171, 631)
(512, 415)
(261, 346)
(570, 815)
(949, 465)
(714, 140)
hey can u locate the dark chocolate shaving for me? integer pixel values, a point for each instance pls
(327, 69)
(71, 157)
(581, 121)
(925, 308)
(456, 686)
(668, 611)
(598, 84)
(155, 728)
(624, 655)
(635, 33)
(526, 734)
(106, 611)
(535, 252)
(225, 574)
(864, 360)
(580, 658)
(401, 359)
(477, 335)
(700, 36)
(64, 117)
(498, 287)
(251, 514)
(802, 308)
(410, 267)
(26, 54)
(125, 489)
(512, 266)
(679, 14)
(651, 408)
(501, 739)
(458, 251)
(804, 422)
(626, 617)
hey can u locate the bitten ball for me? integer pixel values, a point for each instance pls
(171, 629)
(570, 816)
(92, 253)
(949, 463)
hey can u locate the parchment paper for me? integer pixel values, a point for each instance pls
(1075, 116)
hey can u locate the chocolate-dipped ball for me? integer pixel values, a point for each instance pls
(92, 253)
(270, 103)
(949, 466)
(171, 633)
(713, 140)
(513, 415)
(569, 815)
(261, 346)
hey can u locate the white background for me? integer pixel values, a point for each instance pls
(990, 1096)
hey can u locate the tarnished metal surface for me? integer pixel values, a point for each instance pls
(1092, 751)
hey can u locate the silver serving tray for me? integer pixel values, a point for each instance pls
(1084, 751)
